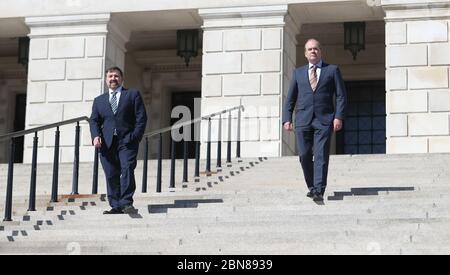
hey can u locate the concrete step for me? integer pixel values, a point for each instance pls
(244, 234)
(165, 223)
(229, 213)
(292, 197)
(229, 243)
(374, 204)
(242, 215)
(52, 222)
(419, 198)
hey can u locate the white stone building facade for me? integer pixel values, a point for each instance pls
(249, 49)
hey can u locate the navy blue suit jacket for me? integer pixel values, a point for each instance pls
(129, 121)
(319, 103)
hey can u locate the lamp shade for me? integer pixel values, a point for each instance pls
(187, 44)
(354, 37)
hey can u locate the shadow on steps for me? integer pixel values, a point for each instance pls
(368, 191)
(162, 208)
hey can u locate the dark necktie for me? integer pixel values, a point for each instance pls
(113, 102)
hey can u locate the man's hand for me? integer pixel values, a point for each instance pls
(337, 123)
(288, 126)
(98, 142)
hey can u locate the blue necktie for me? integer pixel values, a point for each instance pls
(113, 102)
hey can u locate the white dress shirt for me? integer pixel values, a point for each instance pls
(119, 91)
(318, 70)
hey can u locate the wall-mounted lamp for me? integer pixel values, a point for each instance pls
(187, 44)
(24, 51)
(355, 37)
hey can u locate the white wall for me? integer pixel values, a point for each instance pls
(418, 73)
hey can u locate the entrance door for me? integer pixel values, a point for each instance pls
(19, 125)
(185, 99)
(365, 126)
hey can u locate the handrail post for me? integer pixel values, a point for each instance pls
(145, 170)
(208, 149)
(238, 145)
(197, 159)
(185, 161)
(95, 173)
(54, 197)
(159, 171)
(76, 161)
(9, 187)
(172, 164)
(229, 139)
(219, 144)
(32, 200)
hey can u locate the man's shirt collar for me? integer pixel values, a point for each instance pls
(119, 89)
(318, 65)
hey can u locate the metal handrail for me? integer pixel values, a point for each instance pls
(42, 128)
(54, 195)
(32, 200)
(160, 133)
(180, 125)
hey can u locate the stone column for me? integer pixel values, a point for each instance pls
(248, 56)
(417, 77)
(68, 56)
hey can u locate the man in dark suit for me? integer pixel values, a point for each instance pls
(311, 93)
(117, 125)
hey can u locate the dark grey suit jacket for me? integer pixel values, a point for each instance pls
(129, 121)
(307, 103)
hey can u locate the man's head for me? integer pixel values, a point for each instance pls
(114, 78)
(313, 51)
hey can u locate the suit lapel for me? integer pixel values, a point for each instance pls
(105, 102)
(305, 76)
(323, 72)
(123, 96)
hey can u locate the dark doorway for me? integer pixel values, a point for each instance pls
(19, 125)
(365, 126)
(184, 99)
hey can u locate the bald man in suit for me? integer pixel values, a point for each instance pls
(312, 90)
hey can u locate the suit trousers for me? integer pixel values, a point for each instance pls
(119, 162)
(313, 144)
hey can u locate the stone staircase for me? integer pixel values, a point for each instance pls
(377, 204)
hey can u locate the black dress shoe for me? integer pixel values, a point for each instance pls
(310, 194)
(129, 209)
(113, 211)
(317, 197)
